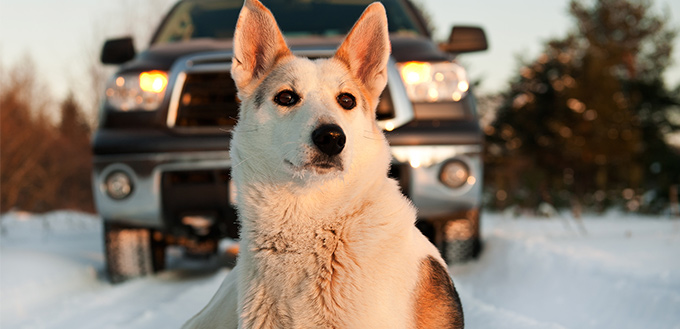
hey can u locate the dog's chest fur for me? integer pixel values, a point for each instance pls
(315, 268)
(299, 276)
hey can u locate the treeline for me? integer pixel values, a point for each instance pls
(45, 161)
(584, 124)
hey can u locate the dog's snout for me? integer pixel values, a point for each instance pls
(329, 138)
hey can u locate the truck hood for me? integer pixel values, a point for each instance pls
(162, 56)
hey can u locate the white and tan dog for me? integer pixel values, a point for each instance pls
(328, 240)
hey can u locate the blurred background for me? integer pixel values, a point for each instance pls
(580, 108)
(580, 100)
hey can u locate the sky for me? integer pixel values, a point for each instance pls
(59, 35)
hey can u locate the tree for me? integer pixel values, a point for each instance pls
(75, 158)
(44, 167)
(584, 122)
(24, 134)
(72, 125)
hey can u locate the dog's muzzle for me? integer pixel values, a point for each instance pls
(329, 139)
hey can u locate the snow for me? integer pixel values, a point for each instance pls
(611, 271)
(624, 273)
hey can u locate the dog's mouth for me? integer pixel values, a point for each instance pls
(319, 165)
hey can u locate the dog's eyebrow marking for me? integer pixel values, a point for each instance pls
(293, 83)
(260, 94)
(259, 97)
(347, 83)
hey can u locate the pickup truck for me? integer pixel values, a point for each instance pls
(161, 161)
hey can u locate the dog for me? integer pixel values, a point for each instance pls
(327, 239)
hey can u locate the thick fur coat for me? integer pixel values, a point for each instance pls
(328, 240)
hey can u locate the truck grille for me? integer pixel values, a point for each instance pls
(198, 192)
(207, 100)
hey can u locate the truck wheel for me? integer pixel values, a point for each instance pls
(132, 252)
(461, 241)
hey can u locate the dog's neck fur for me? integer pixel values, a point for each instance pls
(289, 210)
(289, 221)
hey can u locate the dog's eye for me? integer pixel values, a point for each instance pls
(347, 101)
(286, 98)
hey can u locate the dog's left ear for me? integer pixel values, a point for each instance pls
(258, 45)
(366, 49)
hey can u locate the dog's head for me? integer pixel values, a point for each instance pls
(301, 120)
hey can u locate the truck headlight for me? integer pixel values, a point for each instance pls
(137, 91)
(434, 82)
(118, 185)
(454, 174)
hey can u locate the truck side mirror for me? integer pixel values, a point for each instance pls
(465, 39)
(118, 51)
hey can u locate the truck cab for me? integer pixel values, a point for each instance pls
(161, 161)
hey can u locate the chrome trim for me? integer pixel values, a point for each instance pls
(216, 62)
(194, 67)
(315, 53)
(403, 109)
(429, 155)
(218, 58)
(161, 158)
(221, 62)
(174, 99)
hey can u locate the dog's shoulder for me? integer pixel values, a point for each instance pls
(221, 312)
(437, 304)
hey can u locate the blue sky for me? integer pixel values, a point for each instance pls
(59, 34)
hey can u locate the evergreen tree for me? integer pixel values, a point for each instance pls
(73, 125)
(585, 121)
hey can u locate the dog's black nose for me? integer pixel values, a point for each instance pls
(329, 138)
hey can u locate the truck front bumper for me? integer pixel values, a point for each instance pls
(420, 172)
(147, 172)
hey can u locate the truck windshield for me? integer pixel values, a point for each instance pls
(216, 19)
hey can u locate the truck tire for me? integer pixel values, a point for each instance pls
(461, 240)
(132, 252)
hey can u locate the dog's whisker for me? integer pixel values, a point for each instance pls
(373, 132)
(288, 143)
(288, 153)
(246, 124)
(242, 130)
(240, 163)
(372, 138)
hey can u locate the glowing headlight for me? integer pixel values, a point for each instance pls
(454, 174)
(118, 185)
(434, 82)
(133, 92)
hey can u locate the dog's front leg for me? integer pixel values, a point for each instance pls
(221, 311)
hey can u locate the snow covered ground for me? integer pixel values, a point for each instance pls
(622, 272)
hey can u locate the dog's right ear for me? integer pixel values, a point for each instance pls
(258, 45)
(366, 49)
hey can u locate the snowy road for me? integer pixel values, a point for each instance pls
(624, 273)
